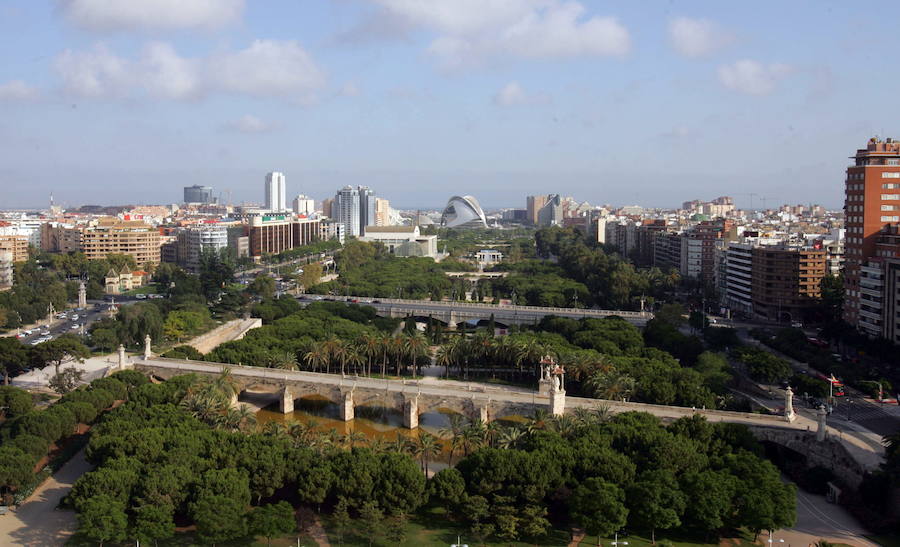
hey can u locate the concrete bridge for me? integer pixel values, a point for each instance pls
(452, 313)
(848, 456)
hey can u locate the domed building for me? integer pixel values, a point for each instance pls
(463, 212)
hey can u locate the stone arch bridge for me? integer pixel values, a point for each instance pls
(848, 456)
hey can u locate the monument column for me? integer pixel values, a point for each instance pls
(147, 352)
(820, 418)
(121, 357)
(82, 295)
(789, 404)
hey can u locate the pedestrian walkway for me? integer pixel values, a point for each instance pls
(38, 522)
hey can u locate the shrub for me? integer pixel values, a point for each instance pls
(116, 387)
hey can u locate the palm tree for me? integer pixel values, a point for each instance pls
(225, 384)
(538, 420)
(454, 430)
(613, 385)
(283, 361)
(274, 429)
(474, 436)
(416, 347)
(369, 346)
(354, 438)
(510, 437)
(429, 446)
(385, 344)
(379, 445)
(565, 425)
(316, 357)
(398, 350)
(332, 349)
(246, 418)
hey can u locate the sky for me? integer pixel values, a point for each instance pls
(650, 103)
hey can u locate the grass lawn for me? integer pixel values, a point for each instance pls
(433, 529)
(150, 288)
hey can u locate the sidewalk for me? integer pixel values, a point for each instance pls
(38, 522)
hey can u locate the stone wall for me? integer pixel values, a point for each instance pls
(232, 330)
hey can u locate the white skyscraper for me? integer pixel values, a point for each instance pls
(304, 205)
(276, 200)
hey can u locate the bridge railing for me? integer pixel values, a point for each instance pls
(546, 310)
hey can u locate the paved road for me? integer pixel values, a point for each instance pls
(817, 519)
(37, 522)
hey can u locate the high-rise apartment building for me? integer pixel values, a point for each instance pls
(533, 205)
(198, 194)
(304, 205)
(382, 212)
(872, 201)
(355, 209)
(193, 242)
(7, 271)
(130, 237)
(551, 212)
(326, 207)
(276, 200)
(272, 234)
(786, 281)
(16, 245)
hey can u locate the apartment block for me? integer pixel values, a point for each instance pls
(786, 281)
(273, 234)
(16, 245)
(128, 237)
(872, 201)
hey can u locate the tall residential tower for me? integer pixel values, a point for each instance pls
(872, 203)
(275, 192)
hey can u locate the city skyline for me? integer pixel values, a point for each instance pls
(116, 106)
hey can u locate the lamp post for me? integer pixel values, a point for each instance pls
(772, 541)
(614, 543)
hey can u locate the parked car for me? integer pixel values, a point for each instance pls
(141, 296)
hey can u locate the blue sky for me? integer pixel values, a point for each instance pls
(612, 102)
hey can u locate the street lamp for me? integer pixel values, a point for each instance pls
(616, 542)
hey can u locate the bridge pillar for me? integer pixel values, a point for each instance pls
(347, 407)
(789, 405)
(821, 433)
(451, 320)
(483, 414)
(411, 411)
(286, 403)
(558, 402)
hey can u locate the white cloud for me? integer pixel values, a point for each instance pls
(267, 68)
(511, 94)
(349, 89)
(167, 75)
(17, 90)
(697, 37)
(752, 77)
(113, 15)
(249, 124)
(95, 73)
(472, 31)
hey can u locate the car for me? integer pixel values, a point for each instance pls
(797, 324)
(27, 332)
(141, 296)
(75, 327)
(36, 342)
(75, 317)
(45, 333)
